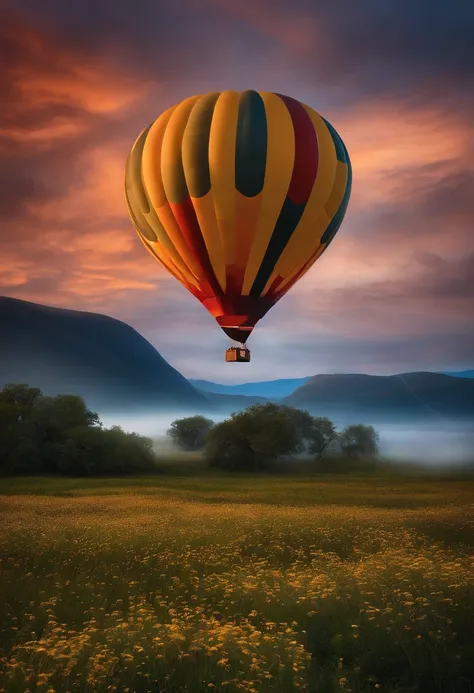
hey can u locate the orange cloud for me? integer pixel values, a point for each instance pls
(99, 285)
(96, 190)
(54, 91)
(70, 239)
(93, 87)
(385, 138)
(44, 136)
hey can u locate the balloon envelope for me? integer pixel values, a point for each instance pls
(238, 194)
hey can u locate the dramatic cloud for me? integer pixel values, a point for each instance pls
(81, 79)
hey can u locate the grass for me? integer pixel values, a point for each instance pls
(214, 582)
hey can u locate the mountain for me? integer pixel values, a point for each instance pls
(268, 389)
(230, 403)
(115, 369)
(461, 374)
(407, 396)
(106, 361)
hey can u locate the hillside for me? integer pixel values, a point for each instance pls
(115, 369)
(407, 396)
(106, 361)
(461, 374)
(268, 389)
(228, 403)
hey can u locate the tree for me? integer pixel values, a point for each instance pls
(22, 396)
(359, 440)
(252, 438)
(191, 432)
(60, 434)
(9, 436)
(53, 420)
(323, 433)
(66, 411)
(304, 426)
(55, 416)
(17, 431)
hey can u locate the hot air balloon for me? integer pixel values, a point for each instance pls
(238, 194)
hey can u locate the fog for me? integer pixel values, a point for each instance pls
(151, 424)
(428, 444)
(431, 445)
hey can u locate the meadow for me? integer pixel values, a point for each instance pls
(199, 582)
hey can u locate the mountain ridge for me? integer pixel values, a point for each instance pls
(90, 354)
(461, 374)
(115, 368)
(419, 394)
(266, 388)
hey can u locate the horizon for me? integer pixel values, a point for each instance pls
(393, 293)
(314, 375)
(231, 383)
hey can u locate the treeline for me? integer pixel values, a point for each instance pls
(255, 438)
(61, 435)
(48, 435)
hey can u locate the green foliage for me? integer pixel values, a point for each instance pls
(258, 436)
(323, 433)
(17, 425)
(303, 423)
(252, 438)
(60, 434)
(191, 432)
(21, 396)
(40, 434)
(359, 440)
(66, 412)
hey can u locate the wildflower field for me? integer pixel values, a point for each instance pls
(179, 584)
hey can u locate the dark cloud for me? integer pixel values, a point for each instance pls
(391, 44)
(440, 292)
(438, 279)
(18, 187)
(422, 48)
(34, 177)
(442, 278)
(166, 40)
(26, 54)
(431, 206)
(418, 51)
(451, 195)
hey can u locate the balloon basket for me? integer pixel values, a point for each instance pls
(237, 355)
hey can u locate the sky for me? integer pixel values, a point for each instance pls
(393, 293)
